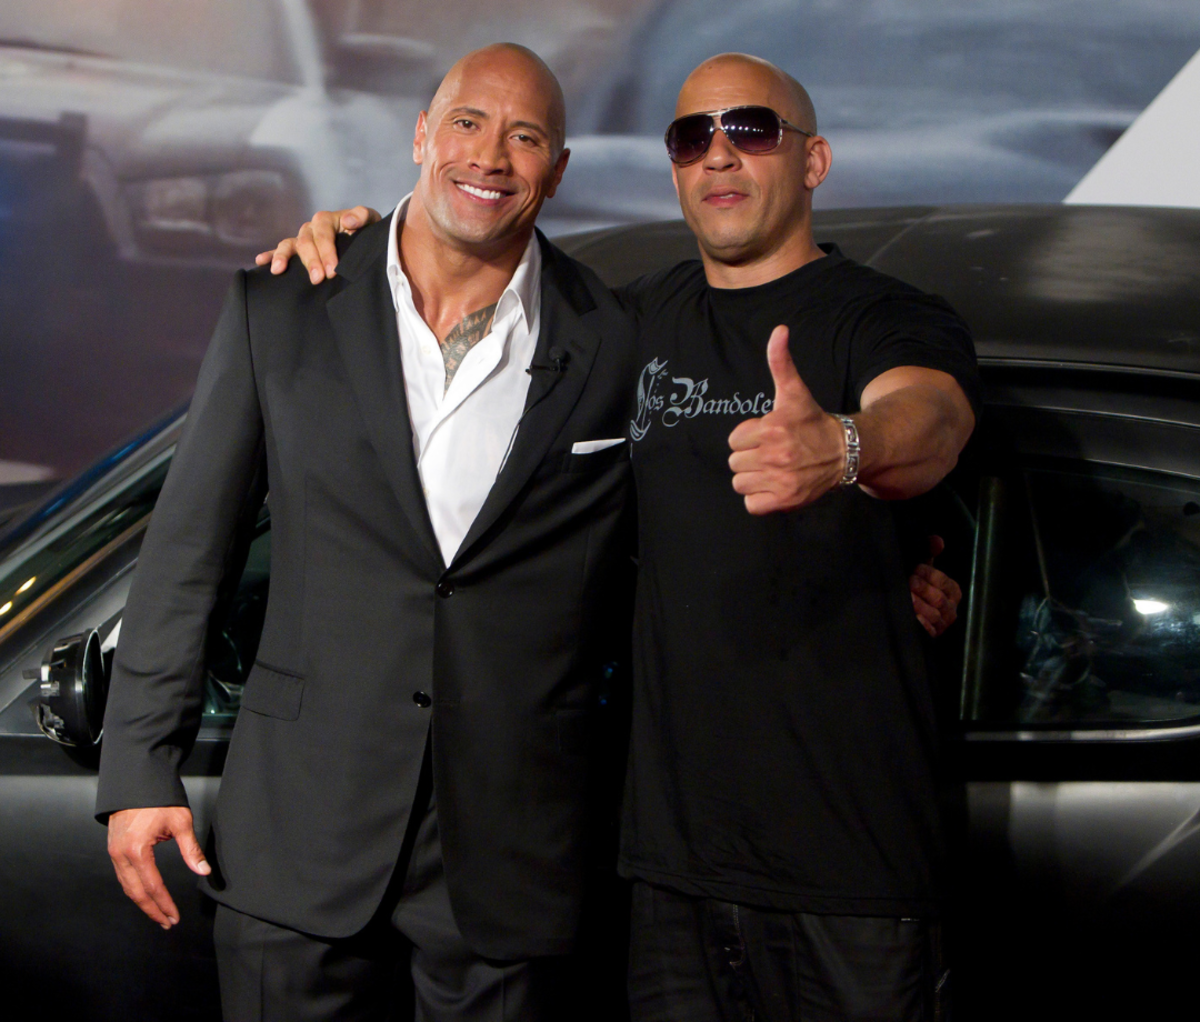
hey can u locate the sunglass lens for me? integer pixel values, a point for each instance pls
(753, 129)
(688, 137)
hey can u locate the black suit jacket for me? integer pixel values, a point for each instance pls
(508, 640)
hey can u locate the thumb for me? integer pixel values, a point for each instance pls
(190, 849)
(789, 388)
(936, 546)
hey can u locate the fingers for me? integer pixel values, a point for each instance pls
(309, 251)
(764, 503)
(757, 439)
(278, 256)
(132, 835)
(747, 483)
(926, 616)
(282, 254)
(144, 884)
(131, 884)
(140, 879)
(316, 242)
(747, 435)
(318, 238)
(322, 234)
(935, 598)
(929, 606)
(933, 595)
(940, 582)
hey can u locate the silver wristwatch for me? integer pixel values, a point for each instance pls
(853, 450)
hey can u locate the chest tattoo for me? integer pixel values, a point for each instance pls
(471, 329)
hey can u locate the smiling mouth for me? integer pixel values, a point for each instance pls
(485, 194)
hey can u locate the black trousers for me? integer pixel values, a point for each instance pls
(409, 963)
(704, 960)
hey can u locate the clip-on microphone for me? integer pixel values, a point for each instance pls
(558, 361)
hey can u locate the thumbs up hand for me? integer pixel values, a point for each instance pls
(793, 454)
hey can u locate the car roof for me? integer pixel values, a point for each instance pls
(1077, 285)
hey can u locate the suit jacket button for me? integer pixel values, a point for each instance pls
(422, 700)
(445, 588)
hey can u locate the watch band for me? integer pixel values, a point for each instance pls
(853, 450)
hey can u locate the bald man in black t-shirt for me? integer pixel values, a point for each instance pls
(781, 820)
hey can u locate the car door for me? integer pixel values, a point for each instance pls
(1079, 695)
(70, 937)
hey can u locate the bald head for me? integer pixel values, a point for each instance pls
(514, 60)
(734, 76)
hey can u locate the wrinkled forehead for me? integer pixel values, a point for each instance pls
(718, 84)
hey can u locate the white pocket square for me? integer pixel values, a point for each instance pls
(592, 446)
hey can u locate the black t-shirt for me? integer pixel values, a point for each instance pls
(783, 741)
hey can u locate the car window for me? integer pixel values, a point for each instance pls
(35, 573)
(32, 575)
(236, 37)
(1085, 601)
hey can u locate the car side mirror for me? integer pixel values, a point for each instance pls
(74, 690)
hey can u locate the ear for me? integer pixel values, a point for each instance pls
(675, 177)
(819, 160)
(419, 137)
(559, 167)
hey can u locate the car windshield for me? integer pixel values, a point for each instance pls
(236, 37)
(36, 570)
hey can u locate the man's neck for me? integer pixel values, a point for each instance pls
(450, 281)
(760, 269)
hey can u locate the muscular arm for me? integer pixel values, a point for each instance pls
(913, 424)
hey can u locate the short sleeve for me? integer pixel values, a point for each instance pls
(912, 329)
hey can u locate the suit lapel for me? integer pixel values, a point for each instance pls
(364, 323)
(552, 396)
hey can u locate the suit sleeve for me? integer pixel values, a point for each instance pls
(157, 689)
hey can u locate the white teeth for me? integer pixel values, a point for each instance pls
(480, 192)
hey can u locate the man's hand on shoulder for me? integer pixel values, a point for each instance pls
(316, 242)
(132, 835)
(796, 452)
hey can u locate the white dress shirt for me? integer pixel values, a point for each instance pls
(461, 436)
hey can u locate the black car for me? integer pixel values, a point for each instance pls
(1071, 685)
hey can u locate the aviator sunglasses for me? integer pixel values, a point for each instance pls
(752, 129)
